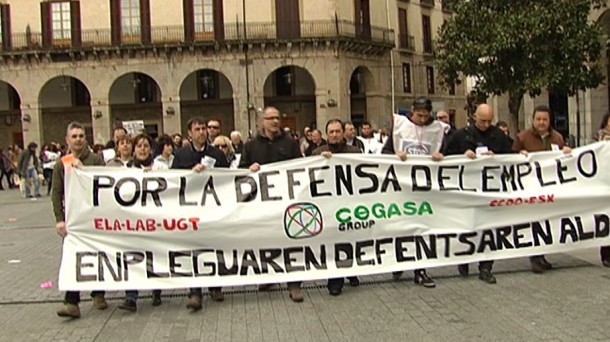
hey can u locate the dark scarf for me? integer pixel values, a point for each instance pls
(141, 163)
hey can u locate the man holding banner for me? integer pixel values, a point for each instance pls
(477, 140)
(418, 134)
(540, 137)
(336, 143)
(270, 145)
(79, 155)
(198, 156)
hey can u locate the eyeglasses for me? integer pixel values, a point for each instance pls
(74, 136)
(272, 118)
(214, 127)
(220, 146)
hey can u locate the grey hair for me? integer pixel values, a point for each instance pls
(74, 125)
(235, 133)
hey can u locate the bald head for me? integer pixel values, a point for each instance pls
(483, 117)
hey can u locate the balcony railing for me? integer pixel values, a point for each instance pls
(233, 32)
(406, 42)
(429, 3)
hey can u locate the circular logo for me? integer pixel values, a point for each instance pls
(416, 149)
(302, 220)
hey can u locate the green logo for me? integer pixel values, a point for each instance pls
(302, 220)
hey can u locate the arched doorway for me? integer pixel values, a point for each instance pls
(360, 82)
(136, 97)
(291, 89)
(11, 131)
(64, 99)
(209, 94)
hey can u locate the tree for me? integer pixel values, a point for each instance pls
(521, 47)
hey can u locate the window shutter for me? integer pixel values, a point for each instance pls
(115, 21)
(189, 21)
(46, 24)
(76, 24)
(145, 21)
(219, 25)
(7, 38)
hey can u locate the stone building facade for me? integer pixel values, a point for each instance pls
(103, 62)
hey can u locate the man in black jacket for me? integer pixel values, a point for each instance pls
(271, 144)
(197, 156)
(480, 138)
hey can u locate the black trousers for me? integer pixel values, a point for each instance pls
(486, 265)
(48, 176)
(604, 253)
(9, 179)
(196, 291)
(73, 297)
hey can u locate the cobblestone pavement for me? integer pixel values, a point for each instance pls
(569, 303)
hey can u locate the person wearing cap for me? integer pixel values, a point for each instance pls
(416, 134)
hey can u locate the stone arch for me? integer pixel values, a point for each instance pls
(292, 90)
(208, 93)
(136, 96)
(11, 129)
(63, 99)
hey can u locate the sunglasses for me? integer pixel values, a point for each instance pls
(220, 146)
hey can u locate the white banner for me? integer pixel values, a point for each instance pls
(317, 218)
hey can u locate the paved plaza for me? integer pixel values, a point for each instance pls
(569, 303)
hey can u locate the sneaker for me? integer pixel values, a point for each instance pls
(546, 264)
(217, 295)
(129, 305)
(353, 281)
(156, 299)
(422, 278)
(69, 310)
(486, 276)
(264, 287)
(463, 270)
(194, 303)
(396, 275)
(295, 294)
(99, 302)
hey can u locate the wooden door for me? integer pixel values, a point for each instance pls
(362, 19)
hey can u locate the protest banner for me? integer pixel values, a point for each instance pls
(317, 218)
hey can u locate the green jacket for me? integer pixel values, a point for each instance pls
(88, 158)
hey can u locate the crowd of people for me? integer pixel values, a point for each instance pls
(418, 133)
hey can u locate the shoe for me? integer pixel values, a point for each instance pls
(69, 310)
(486, 276)
(99, 302)
(606, 263)
(463, 270)
(353, 281)
(217, 295)
(537, 267)
(545, 264)
(396, 275)
(38, 195)
(129, 305)
(29, 196)
(335, 291)
(264, 287)
(421, 278)
(295, 294)
(194, 303)
(156, 299)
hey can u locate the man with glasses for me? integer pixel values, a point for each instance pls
(213, 128)
(270, 145)
(481, 138)
(79, 155)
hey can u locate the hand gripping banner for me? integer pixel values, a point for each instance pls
(318, 218)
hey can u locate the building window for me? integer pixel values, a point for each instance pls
(204, 16)
(406, 77)
(61, 22)
(430, 79)
(130, 17)
(451, 89)
(427, 32)
(2, 28)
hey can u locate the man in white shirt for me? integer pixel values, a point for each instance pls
(371, 145)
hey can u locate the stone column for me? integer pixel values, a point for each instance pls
(172, 122)
(31, 119)
(240, 113)
(101, 122)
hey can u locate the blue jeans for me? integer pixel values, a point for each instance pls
(33, 175)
